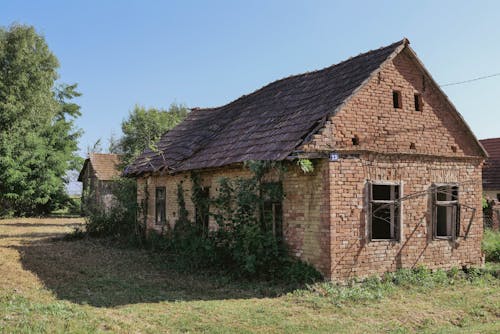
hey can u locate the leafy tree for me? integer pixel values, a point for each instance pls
(144, 127)
(38, 139)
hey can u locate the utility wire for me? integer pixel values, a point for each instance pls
(471, 80)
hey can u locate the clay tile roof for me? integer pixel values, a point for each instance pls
(491, 168)
(105, 166)
(268, 124)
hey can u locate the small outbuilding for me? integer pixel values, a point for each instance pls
(98, 173)
(397, 171)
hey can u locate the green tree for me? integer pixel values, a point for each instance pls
(38, 139)
(144, 127)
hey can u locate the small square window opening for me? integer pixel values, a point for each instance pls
(418, 102)
(396, 99)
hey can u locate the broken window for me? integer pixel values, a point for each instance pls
(396, 99)
(446, 211)
(202, 209)
(418, 102)
(160, 206)
(384, 211)
(272, 208)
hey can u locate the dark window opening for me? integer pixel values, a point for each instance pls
(418, 102)
(202, 209)
(355, 140)
(454, 148)
(498, 197)
(446, 212)
(412, 146)
(384, 211)
(272, 208)
(396, 99)
(160, 206)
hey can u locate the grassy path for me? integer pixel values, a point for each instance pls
(85, 286)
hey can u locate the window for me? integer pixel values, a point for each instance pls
(384, 211)
(272, 210)
(355, 140)
(396, 99)
(446, 211)
(418, 102)
(498, 197)
(160, 206)
(202, 209)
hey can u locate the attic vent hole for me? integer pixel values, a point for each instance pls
(355, 140)
(412, 146)
(418, 102)
(396, 99)
(454, 148)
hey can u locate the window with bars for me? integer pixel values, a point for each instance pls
(160, 206)
(384, 211)
(446, 211)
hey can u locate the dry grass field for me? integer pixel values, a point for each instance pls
(51, 285)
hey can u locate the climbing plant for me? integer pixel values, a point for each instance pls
(241, 243)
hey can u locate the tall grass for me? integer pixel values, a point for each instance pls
(491, 245)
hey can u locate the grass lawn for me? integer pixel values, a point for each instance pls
(51, 285)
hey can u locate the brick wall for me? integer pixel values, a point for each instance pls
(413, 148)
(305, 206)
(352, 252)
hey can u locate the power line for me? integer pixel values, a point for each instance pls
(471, 80)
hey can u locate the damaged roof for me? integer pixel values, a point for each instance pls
(268, 124)
(491, 168)
(105, 166)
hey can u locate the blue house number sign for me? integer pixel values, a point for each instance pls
(334, 156)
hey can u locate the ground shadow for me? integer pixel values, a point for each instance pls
(40, 225)
(89, 271)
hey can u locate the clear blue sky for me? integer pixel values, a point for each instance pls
(207, 53)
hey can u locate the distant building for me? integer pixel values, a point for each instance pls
(491, 169)
(97, 176)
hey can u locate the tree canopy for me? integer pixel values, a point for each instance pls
(144, 127)
(38, 138)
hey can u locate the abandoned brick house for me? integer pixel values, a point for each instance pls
(397, 171)
(97, 176)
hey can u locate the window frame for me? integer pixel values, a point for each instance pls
(396, 210)
(455, 212)
(203, 221)
(276, 209)
(159, 203)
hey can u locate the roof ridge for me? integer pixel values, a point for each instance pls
(281, 111)
(402, 41)
(495, 138)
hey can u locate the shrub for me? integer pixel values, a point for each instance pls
(243, 244)
(491, 245)
(118, 221)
